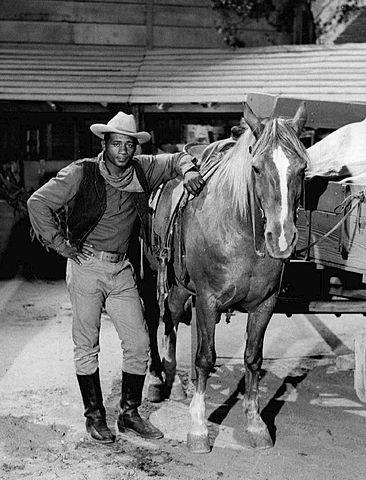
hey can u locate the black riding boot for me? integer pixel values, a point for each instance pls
(91, 392)
(129, 418)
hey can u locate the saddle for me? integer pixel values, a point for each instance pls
(166, 208)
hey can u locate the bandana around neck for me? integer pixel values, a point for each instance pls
(127, 181)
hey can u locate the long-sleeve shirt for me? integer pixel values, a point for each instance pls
(113, 231)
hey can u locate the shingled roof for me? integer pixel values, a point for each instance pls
(119, 74)
(68, 73)
(319, 72)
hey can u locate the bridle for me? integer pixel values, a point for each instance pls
(254, 202)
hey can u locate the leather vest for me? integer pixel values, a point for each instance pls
(88, 205)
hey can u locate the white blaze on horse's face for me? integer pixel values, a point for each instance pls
(279, 188)
(282, 164)
(278, 179)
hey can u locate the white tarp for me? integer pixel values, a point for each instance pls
(342, 153)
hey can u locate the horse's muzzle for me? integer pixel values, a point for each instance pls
(281, 246)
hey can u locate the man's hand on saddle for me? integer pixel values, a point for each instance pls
(193, 182)
(74, 254)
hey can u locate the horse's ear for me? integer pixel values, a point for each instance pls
(299, 120)
(252, 120)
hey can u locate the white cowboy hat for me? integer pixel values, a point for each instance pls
(120, 123)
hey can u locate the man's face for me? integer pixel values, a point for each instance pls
(119, 150)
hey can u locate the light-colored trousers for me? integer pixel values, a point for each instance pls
(96, 284)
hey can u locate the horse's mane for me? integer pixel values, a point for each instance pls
(233, 178)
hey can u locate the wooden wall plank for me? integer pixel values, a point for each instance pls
(150, 24)
(66, 11)
(200, 16)
(184, 16)
(187, 37)
(177, 23)
(104, 3)
(11, 50)
(41, 32)
(111, 34)
(47, 32)
(184, 3)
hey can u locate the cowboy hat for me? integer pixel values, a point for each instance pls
(120, 123)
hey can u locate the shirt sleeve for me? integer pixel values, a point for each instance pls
(165, 166)
(53, 195)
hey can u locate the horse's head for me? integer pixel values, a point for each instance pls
(278, 165)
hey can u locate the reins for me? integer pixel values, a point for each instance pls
(360, 197)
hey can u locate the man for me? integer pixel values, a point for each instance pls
(104, 198)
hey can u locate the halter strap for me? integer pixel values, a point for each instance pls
(258, 252)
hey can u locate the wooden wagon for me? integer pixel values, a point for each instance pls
(327, 273)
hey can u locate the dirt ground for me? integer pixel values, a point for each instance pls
(308, 400)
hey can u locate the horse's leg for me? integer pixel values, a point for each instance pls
(155, 391)
(174, 312)
(253, 357)
(156, 385)
(207, 317)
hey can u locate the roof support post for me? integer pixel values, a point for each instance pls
(138, 113)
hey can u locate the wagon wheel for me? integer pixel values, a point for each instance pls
(360, 367)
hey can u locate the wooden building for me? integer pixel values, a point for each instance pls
(68, 63)
(65, 64)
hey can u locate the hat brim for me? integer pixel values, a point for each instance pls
(99, 129)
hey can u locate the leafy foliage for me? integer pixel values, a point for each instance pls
(234, 14)
(343, 13)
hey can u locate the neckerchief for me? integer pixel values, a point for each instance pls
(126, 182)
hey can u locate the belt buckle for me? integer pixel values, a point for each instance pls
(114, 257)
(105, 256)
(111, 257)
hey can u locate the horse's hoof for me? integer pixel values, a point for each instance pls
(198, 443)
(155, 393)
(259, 439)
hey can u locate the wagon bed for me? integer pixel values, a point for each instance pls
(329, 274)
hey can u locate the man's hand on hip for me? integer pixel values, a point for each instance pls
(71, 252)
(193, 182)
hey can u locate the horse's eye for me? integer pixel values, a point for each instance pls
(250, 149)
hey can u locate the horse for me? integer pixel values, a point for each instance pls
(237, 234)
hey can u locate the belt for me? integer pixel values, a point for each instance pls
(112, 257)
